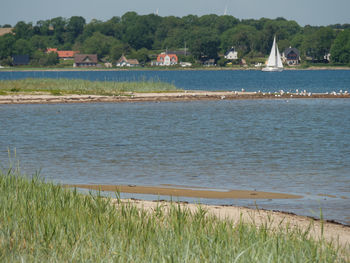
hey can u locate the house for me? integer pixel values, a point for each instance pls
(20, 60)
(165, 59)
(124, 62)
(85, 60)
(291, 56)
(209, 62)
(63, 54)
(231, 54)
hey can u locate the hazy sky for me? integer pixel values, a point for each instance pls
(312, 12)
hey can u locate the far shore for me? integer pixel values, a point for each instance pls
(20, 69)
(39, 98)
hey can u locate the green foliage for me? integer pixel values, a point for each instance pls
(341, 48)
(318, 43)
(43, 59)
(75, 86)
(204, 44)
(99, 44)
(141, 55)
(43, 222)
(205, 36)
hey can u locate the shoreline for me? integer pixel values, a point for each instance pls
(158, 97)
(274, 220)
(331, 230)
(311, 68)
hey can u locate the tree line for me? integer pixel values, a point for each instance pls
(141, 36)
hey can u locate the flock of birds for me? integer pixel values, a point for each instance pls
(298, 93)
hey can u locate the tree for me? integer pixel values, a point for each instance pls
(318, 44)
(204, 44)
(99, 44)
(43, 59)
(59, 24)
(6, 45)
(141, 55)
(75, 27)
(23, 30)
(243, 37)
(340, 51)
(23, 47)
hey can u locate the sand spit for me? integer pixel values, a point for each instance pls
(157, 97)
(275, 220)
(185, 192)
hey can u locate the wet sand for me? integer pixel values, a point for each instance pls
(158, 97)
(186, 192)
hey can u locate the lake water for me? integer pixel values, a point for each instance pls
(298, 146)
(312, 81)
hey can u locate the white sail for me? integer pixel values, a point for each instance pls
(279, 60)
(271, 62)
(274, 63)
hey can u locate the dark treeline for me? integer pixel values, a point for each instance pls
(207, 36)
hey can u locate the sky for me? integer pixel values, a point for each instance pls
(304, 12)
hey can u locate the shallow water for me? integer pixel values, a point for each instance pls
(311, 81)
(299, 146)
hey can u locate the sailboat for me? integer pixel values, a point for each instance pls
(274, 63)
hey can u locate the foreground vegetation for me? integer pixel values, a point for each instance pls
(76, 86)
(43, 222)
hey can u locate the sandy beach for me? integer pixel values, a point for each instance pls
(275, 220)
(158, 97)
(332, 231)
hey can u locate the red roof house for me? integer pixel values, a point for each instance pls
(165, 59)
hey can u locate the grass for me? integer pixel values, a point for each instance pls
(43, 222)
(77, 86)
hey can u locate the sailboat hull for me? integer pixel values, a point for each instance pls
(272, 69)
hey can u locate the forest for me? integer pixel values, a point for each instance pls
(144, 36)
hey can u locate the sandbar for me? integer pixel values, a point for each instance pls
(186, 192)
(159, 97)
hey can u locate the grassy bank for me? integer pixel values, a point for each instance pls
(42, 222)
(77, 86)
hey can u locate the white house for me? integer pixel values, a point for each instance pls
(124, 62)
(231, 54)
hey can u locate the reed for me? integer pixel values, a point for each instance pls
(78, 86)
(43, 222)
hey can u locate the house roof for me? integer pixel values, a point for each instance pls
(130, 61)
(63, 53)
(122, 58)
(133, 61)
(20, 59)
(291, 49)
(231, 50)
(66, 53)
(163, 55)
(81, 58)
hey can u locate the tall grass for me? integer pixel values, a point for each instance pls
(78, 86)
(43, 222)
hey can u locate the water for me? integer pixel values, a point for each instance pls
(299, 146)
(312, 81)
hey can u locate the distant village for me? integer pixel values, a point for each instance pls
(290, 56)
(213, 41)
